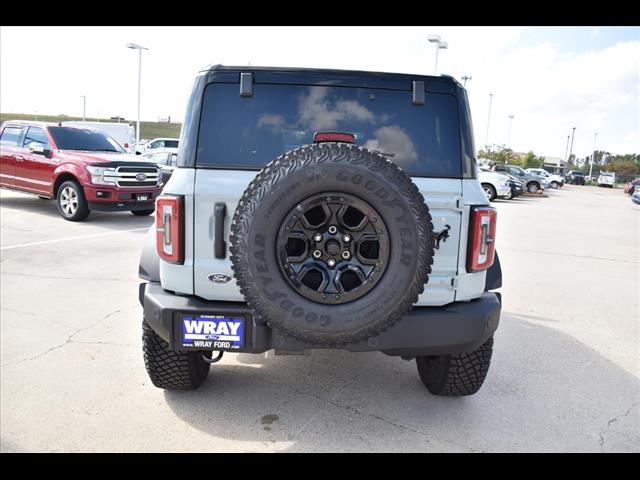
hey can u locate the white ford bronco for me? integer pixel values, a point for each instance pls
(322, 209)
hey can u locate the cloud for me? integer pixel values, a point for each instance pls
(394, 140)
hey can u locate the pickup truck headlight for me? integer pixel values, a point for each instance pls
(102, 175)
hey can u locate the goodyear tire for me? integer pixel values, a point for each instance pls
(169, 369)
(456, 375)
(331, 202)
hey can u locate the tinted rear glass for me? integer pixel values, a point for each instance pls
(171, 144)
(67, 138)
(249, 132)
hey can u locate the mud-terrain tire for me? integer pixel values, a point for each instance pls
(331, 170)
(456, 375)
(169, 369)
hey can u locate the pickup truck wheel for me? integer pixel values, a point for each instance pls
(489, 191)
(143, 213)
(331, 244)
(456, 375)
(169, 369)
(533, 187)
(72, 204)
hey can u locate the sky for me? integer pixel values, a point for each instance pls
(550, 79)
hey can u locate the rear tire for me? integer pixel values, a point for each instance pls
(143, 213)
(489, 191)
(169, 369)
(533, 187)
(71, 202)
(456, 375)
(554, 185)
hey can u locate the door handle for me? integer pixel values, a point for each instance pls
(219, 245)
(19, 158)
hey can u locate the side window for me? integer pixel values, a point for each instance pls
(159, 158)
(157, 144)
(35, 135)
(10, 136)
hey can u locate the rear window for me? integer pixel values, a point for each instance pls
(249, 132)
(67, 138)
(171, 144)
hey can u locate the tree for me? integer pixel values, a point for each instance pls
(531, 161)
(498, 154)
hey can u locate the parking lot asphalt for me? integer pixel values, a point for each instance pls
(565, 374)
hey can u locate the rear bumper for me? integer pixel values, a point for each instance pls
(454, 328)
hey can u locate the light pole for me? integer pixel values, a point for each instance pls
(509, 135)
(135, 46)
(84, 107)
(464, 79)
(593, 157)
(486, 138)
(439, 45)
(571, 148)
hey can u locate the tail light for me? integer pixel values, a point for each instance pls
(170, 228)
(482, 237)
(319, 137)
(126, 145)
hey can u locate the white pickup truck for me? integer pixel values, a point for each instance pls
(554, 180)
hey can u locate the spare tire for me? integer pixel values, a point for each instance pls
(331, 244)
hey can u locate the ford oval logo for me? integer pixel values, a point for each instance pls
(141, 177)
(219, 278)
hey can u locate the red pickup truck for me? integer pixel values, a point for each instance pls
(82, 169)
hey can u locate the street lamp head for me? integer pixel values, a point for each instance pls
(434, 38)
(135, 46)
(443, 45)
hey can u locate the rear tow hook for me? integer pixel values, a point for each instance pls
(212, 360)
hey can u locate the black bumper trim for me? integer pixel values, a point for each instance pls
(121, 206)
(454, 328)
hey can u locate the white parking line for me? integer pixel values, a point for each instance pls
(80, 237)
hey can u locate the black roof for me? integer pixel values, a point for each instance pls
(324, 75)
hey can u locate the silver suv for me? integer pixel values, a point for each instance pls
(322, 209)
(534, 183)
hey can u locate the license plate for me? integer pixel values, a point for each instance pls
(215, 332)
(143, 197)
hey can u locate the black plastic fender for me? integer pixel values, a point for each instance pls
(494, 275)
(149, 266)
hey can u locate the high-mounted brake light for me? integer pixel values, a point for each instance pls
(482, 237)
(319, 137)
(170, 228)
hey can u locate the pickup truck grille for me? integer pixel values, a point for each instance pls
(135, 177)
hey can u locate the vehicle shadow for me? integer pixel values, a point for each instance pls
(546, 391)
(48, 208)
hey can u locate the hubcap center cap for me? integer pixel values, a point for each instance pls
(332, 247)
